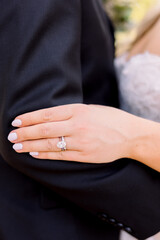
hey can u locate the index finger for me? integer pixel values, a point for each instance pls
(52, 114)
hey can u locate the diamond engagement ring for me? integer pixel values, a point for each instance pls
(62, 144)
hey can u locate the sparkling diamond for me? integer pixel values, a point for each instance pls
(61, 145)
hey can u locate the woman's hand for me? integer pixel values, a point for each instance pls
(93, 134)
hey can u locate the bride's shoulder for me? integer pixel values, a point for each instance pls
(148, 42)
(152, 43)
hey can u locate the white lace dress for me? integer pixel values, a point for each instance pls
(139, 88)
(139, 85)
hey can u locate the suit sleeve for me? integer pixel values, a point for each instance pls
(40, 67)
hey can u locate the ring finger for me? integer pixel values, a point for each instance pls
(44, 145)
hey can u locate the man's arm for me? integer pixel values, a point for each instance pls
(40, 68)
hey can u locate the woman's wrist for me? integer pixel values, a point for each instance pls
(144, 145)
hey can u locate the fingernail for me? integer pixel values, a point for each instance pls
(34, 153)
(16, 123)
(18, 146)
(12, 137)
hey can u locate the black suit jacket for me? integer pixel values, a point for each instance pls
(56, 52)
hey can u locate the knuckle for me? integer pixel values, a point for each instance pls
(82, 127)
(50, 145)
(61, 155)
(79, 127)
(47, 115)
(83, 108)
(85, 154)
(77, 107)
(44, 131)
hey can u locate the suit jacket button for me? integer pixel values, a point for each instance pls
(128, 229)
(120, 225)
(103, 216)
(112, 220)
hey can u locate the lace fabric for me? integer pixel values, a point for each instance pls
(139, 85)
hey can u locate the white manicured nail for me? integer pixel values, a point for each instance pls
(16, 123)
(34, 153)
(18, 146)
(12, 137)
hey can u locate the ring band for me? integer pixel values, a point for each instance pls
(62, 144)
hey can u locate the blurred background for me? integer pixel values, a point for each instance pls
(126, 14)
